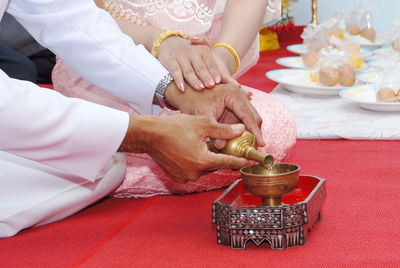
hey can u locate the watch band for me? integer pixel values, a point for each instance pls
(160, 91)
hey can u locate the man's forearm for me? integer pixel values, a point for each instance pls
(88, 40)
(141, 131)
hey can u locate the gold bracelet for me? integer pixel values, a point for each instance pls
(233, 52)
(162, 37)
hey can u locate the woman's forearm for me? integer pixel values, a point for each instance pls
(241, 23)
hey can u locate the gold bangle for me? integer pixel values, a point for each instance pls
(233, 52)
(161, 38)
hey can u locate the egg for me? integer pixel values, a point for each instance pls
(396, 44)
(310, 59)
(353, 29)
(368, 33)
(328, 76)
(347, 75)
(386, 94)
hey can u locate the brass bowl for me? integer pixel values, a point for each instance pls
(270, 184)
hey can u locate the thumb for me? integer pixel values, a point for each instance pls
(225, 131)
(247, 92)
(233, 81)
(227, 78)
(223, 161)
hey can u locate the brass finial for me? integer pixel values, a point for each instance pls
(314, 10)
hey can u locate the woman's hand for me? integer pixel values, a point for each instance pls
(223, 68)
(222, 60)
(226, 76)
(191, 62)
(219, 58)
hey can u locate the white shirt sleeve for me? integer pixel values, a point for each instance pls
(72, 135)
(88, 40)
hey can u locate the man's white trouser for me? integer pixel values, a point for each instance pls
(33, 194)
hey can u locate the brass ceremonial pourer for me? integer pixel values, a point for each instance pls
(245, 146)
(266, 180)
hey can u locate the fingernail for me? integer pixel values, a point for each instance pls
(234, 81)
(210, 83)
(217, 79)
(182, 87)
(219, 144)
(195, 37)
(200, 85)
(239, 128)
(262, 143)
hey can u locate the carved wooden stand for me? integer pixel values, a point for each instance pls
(238, 217)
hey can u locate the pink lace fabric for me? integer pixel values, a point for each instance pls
(143, 176)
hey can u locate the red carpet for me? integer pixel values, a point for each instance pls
(358, 227)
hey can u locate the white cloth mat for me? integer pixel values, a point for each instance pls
(326, 117)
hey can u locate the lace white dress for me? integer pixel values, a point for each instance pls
(192, 17)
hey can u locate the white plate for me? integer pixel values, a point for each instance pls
(370, 77)
(299, 49)
(292, 62)
(379, 42)
(365, 97)
(365, 53)
(383, 51)
(297, 63)
(299, 81)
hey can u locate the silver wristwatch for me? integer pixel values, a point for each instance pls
(160, 91)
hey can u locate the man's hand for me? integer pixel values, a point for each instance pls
(179, 144)
(225, 103)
